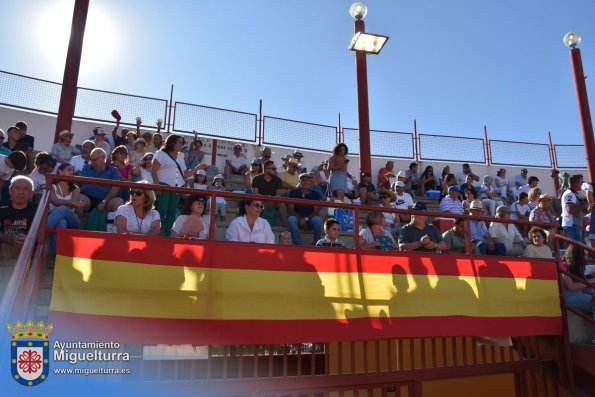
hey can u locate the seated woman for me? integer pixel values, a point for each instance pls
(142, 171)
(391, 220)
(470, 196)
(428, 180)
(64, 201)
(249, 227)
(538, 248)
(376, 236)
(577, 294)
(138, 215)
(507, 233)
(192, 222)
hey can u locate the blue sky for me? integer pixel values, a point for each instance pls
(455, 65)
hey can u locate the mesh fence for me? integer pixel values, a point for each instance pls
(98, 105)
(215, 122)
(29, 93)
(451, 148)
(389, 144)
(520, 153)
(570, 156)
(298, 134)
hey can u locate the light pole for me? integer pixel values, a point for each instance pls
(572, 40)
(363, 43)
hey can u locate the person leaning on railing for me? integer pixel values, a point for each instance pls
(419, 235)
(575, 292)
(137, 215)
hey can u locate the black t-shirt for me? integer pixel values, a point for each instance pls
(14, 221)
(267, 188)
(304, 210)
(28, 141)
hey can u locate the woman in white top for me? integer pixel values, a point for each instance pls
(249, 227)
(142, 171)
(391, 220)
(64, 201)
(193, 222)
(507, 233)
(376, 236)
(168, 169)
(138, 216)
(538, 248)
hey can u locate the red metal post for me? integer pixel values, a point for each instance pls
(72, 67)
(583, 109)
(171, 104)
(361, 69)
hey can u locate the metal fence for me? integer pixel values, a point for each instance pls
(570, 156)
(298, 134)
(97, 105)
(386, 144)
(520, 153)
(29, 93)
(451, 148)
(215, 122)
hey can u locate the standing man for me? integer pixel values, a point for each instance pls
(304, 216)
(573, 209)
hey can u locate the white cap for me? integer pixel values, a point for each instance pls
(201, 172)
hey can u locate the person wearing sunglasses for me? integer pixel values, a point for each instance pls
(192, 223)
(138, 215)
(249, 227)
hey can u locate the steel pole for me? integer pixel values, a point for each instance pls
(361, 69)
(72, 67)
(583, 110)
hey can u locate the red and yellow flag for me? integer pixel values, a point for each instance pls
(163, 290)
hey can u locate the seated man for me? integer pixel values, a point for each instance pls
(518, 182)
(403, 200)
(100, 140)
(384, 175)
(63, 150)
(413, 177)
(298, 156)
(16, 215)
(236, 163)
(45, 164)
(451, 203)
(419, 235)
(366, 189)
(462, 176)
(26, 143)
(95, 196)
(268, 184)
(456, 237)
(290, 177)
(480, 235)
(304, 216)
(78, 162)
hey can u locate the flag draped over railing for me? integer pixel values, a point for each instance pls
(141, 289)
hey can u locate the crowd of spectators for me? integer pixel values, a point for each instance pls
(145, 157)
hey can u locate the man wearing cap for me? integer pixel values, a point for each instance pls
(63, 150)
(304, 216)
(420, 236)
(100, 141)
(236, 163)
(573, 209)
(451, 203)
(78, 162)
(285, 159)
(518, 182)
(479, 233)
(403, 200)
(384, 175)
(265, 154)
(298, 156)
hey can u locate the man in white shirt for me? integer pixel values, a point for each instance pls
(518, 182)
(63, 150)
(236, 163)
(462, 176)
(404, 201)
(78, 162)
(573, 209)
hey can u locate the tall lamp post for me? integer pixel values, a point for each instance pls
(363, 43)
(572, 40)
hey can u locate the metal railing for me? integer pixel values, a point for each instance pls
(520, 154)
(451, 148)
(384, 144)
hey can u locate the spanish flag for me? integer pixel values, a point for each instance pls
(151, 290)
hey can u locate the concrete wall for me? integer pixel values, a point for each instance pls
(42, 127)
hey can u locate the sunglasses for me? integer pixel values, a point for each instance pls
(257, 205)
(136, 193)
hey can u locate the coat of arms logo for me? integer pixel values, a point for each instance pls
(29, 352)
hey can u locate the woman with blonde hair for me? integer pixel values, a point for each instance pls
(138, 215)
